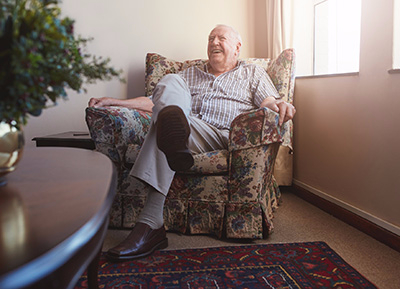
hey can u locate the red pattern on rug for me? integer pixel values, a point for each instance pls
(294, 265)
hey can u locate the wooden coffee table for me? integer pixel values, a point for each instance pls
(53, 217)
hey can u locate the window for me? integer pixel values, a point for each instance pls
(327, 36)
(396, 35)
(337, 26)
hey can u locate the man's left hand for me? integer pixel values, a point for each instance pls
(286, 110)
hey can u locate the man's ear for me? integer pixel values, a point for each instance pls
(238, 46)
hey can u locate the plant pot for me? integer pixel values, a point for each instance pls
(11, 149)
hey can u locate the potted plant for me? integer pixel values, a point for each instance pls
(40, 58)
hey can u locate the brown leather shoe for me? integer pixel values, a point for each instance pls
(141, 242)
(172, 136)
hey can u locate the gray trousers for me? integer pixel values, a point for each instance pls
(151, 165)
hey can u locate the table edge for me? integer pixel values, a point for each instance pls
(38, 268)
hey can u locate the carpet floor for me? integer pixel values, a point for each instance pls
(299, 221)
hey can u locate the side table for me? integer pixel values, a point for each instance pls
(54, 217)
(77, 139)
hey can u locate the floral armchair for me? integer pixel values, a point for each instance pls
(230, 193)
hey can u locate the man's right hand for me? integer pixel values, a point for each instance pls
(100, 102)
(141, 102)
(286, 110)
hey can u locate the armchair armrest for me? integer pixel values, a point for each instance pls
(256, 128)
(114, 128)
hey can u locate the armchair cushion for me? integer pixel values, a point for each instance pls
(214, 162)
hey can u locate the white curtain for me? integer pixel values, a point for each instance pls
(279, 26)
(280, 36)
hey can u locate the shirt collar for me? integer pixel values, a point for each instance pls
(239, 64)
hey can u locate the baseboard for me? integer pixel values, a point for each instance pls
(370, 228)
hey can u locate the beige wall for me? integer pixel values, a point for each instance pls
(346, 135)
(125, 30)
(346, 140)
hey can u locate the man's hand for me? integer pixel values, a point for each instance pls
(286, 110)
(100, 102)
(141, 102)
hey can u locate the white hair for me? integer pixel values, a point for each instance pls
(234, 31)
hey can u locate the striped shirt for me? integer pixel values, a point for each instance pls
(218, 100)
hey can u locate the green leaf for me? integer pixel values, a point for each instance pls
(40, 57)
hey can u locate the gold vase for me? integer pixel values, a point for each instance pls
(11, 148)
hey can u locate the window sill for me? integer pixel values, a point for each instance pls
(329, 75)
(394, 70)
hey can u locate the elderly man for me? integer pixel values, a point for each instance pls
(192, 113)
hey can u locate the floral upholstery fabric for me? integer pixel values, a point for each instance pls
(229, 193)
(157, 66)
(282, 73)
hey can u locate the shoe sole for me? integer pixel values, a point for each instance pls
(114, 258)
(173, 132)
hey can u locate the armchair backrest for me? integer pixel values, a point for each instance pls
(281, 70)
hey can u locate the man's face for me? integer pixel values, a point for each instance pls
(223, 47)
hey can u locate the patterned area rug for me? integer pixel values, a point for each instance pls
(295, 265)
